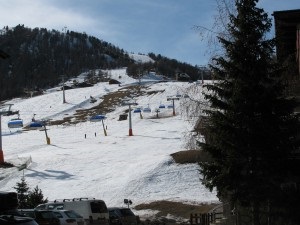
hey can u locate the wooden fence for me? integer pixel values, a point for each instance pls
(205, 218)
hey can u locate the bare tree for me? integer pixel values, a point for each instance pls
(219, 27)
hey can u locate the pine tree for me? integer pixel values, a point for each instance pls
(35, 197)
(252, 126)
(22, 190)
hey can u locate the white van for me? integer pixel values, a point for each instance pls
(93, 211)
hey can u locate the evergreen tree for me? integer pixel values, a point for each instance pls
(252, 127)
(22, 190)
(35, 197)
(28, 199)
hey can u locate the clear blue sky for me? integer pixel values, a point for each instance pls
(163, 27)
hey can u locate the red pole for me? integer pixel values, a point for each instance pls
(1, 152)
(1, 157)
(130, 122)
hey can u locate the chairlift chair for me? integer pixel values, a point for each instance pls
(137, 110)
(15, 123)
(97, 118)
(35, 125)
(161, 106)
(147, 110)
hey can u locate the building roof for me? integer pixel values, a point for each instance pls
(286, 23)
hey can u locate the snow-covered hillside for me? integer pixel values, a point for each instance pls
(141, 58)
(82, 162)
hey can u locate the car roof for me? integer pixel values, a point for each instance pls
(62, 210)
(112, 208)
(43, 210)
(32, 210)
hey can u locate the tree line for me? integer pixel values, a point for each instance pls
(39, 57)
(168, 68)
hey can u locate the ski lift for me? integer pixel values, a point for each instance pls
(34, 125)
(97, 118)
(137, 110)
(147, 109)
(170, 107)
(161, 106)
(15, 123)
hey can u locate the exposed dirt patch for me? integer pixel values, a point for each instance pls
(176, 209)
(108, 104)
(190, 156)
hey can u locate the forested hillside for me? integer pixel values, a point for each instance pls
(169, 68)
(40, 57)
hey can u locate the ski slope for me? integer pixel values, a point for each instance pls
(82, 162)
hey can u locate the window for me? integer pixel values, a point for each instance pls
(113, 213)
(98, 207)
(72, 214)
(55, 206)
(41, 206)
(126, 212)
(45, 215)
(58, 215)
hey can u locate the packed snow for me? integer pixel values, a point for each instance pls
(81, 161)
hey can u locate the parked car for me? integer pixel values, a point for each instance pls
(94, 211)
(42, 217)
(69, 217)
(122, 216)
(9, 201)
(27, 212)
(16, 220)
